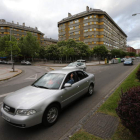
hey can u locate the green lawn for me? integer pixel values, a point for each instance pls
(109, 108)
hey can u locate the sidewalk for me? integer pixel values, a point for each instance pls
(6, 73)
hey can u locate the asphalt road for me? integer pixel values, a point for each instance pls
(107, 77)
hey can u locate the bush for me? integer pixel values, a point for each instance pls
(138, 74)
(129, 110)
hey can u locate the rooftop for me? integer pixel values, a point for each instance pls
(12, 24)
(86, 13)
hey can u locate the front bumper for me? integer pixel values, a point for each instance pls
(22, 121)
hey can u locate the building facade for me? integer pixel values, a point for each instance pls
(93, 27)
(131, 49)
(137, 51)
(19, 31)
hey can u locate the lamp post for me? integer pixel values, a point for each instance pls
(11, 51)
(135, 14)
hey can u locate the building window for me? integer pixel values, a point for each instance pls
(76, 27)
(86, 30)
(2, 27)
(90, 22)
(71, 22)
(71, 28)
(94, 22)
(76, 21)
(94, 29)
(94, 42)
(85, 36)
(90, 29)
(76, 33)
(85, 18)
(94, 16)
(90, 16)
(85, 24)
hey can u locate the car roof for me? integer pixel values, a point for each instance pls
(64, 71)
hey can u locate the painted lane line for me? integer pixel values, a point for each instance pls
(3, 95)
(33, 77)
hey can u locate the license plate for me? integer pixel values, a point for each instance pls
(6, 118)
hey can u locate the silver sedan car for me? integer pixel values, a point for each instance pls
(42, 101)
(76, 65)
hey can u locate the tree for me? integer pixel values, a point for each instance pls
(31, 44)
(52, 51)
(42, 52)
(6, 46)
(131, 54)
(12, 45)
(100, 51)
(115, 53)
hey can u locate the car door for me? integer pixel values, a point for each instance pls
(83, 82)
(70, 94)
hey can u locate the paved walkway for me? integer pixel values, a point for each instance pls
(6, 73)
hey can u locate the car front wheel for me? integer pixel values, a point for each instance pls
(51, 115)
(90, 90)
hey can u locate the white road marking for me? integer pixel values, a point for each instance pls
(47, 69)
(3, 95)
(33, 77)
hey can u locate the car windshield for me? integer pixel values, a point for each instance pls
(72, 65)
(50, 81)
(128, 60)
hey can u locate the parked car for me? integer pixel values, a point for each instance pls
(10, 62)
(3, 62)
(128, 61)
(76, 65)
(25, 62)
(123, 59)
(42, 101)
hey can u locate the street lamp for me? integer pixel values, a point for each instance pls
(11, 51)
(135, 14)
(11, 45)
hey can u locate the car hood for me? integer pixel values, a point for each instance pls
(28, 97)
(69, 67)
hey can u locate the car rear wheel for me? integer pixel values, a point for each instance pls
(51, 115)
(90, 90)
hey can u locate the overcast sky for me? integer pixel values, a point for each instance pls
(45, 14)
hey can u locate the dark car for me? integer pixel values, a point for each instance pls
(128, 61)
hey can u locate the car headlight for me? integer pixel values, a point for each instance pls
(25, 112)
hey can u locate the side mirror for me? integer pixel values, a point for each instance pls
(67, 85)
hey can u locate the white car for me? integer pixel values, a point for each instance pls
(81, 60)
(25, 62)
(76, 65)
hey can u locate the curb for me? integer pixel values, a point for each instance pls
(20, 71)
(51, 68)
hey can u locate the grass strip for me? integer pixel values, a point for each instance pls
(112, 102)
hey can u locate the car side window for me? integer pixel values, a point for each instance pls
(81, 75)
(68, 77)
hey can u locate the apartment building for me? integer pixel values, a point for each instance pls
(93, 27)
(19, 31)
(49, 41)
(137, 51)
(130, 49)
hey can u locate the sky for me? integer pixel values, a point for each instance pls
(45, 14)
